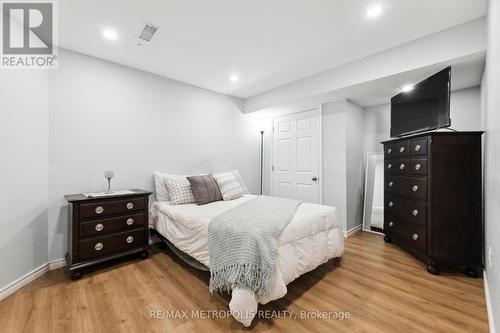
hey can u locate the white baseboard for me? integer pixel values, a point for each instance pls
(23, 280)
(489, 308)
(30, 277)
(58, 263)
(352, 231)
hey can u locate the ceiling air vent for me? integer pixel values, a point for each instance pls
(148, 32)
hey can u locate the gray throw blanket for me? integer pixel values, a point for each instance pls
(243, 243)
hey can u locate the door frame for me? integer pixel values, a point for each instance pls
(319, 110)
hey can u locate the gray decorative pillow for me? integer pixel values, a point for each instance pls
(205, 189)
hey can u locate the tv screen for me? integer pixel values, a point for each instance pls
(425, 107)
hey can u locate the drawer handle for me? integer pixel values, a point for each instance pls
(99, 210)
(389, 166)
(402, 166)
(130, 221)
(391, 203)
(402, 149)
(391, 184)
(130, 205)
(389, 151)
(414, 236)
(417, 148)
(130, 239)
(414, 188)
(418, 167)
(99, 227)
(98, 247)
(414, 212)
(391, 224)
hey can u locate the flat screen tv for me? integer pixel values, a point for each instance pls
(425, 107)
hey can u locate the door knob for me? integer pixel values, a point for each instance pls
(314, 179)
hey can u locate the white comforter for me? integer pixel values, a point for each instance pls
(312, 238)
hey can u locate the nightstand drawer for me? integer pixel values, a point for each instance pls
(112, 207)
(96, 247)
(111, 225)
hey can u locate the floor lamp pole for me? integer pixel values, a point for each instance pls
(261, 158)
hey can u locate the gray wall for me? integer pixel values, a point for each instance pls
(334, 157)
(24, 147)
(106, 116)
(491, 98)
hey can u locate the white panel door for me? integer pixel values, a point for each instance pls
(296, 156)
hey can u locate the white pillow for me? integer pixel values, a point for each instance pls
(160, 187)
(179, 191)
(240, 180)
(229, 186)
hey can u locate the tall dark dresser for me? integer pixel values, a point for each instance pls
(433, 199)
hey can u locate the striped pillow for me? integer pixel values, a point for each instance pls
(179, 191)
(205, 189)
(229, 186)
(240, 180)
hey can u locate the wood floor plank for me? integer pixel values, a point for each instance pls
(383, 288)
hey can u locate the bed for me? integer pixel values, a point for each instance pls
(313, 236)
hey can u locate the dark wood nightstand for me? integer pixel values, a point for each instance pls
(105, 228)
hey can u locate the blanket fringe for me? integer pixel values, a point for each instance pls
(241, 275)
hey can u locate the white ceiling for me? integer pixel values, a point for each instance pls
(465, 73)
(267, 43)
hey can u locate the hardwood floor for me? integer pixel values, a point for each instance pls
(383, 289)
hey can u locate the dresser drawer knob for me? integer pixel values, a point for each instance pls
(402, 149)
(389, 166)
(389, 151)
(418, 167)
(99, 210)
(98, 247)
(99, 227)
(402, 166)
(414, 188)
(391, 203)
(391, 184)
(417, 148)
(414, 212)
(414, 236)
(130, 221)
(130, 239)
(391, 224)
(130, 205)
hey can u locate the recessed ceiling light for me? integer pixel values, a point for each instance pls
(110, 34)
(407, 88)
(234, 78)
(374, 11)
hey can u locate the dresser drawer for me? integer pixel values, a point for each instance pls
(419, 147)
(398, 166)
(418, 166)
(99, 246)
(410, 187)
(412, 211)
(407, 233)
(111, 225)
(397, 149)
(112, 207)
